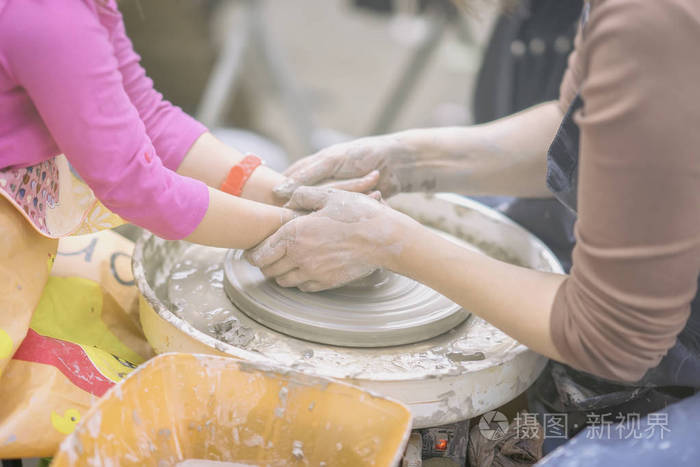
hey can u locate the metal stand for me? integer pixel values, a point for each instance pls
(439, 15)
(410, 74)
(250, 35)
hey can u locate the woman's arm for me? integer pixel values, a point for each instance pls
(516, 300)
(504, 157)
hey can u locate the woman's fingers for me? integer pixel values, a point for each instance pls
(376, 195)
(285, 189)
(357, 185)
(308, 198)
(309, 172)
(278, 268)
(312, 286)
(298, 165)
(270, 250)
(293, 278)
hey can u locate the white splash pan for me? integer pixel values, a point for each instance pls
(458, 375)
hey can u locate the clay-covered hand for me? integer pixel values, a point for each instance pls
(346, 237)
(349, 161)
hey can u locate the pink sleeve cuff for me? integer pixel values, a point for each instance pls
(187, 215)
(173, 152)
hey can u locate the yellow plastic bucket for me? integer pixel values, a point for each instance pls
(180, 407)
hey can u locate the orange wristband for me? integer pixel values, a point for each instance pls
(239, 175)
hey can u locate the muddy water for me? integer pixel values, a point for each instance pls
(196, 293)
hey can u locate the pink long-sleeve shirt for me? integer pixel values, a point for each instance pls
(71, 83)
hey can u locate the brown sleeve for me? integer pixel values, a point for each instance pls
(637, 260)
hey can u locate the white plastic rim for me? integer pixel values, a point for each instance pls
(455, 376)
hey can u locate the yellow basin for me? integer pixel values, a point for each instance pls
(180, 407)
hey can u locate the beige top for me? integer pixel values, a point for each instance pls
(637, 260)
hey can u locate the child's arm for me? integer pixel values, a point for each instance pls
(61, 55)
(252, 223)
(210, 160)
(182, 143)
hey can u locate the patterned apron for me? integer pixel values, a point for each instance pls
(54, 200)
(70, 330)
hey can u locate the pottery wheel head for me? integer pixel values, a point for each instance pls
(381, 310)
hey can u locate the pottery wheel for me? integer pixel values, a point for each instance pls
(381, 310)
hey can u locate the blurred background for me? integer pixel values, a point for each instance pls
(307, 73)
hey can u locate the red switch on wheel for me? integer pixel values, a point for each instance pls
(441, 445)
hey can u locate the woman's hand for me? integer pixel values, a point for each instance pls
(349, 161)
(507, 157)
(347, 237)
